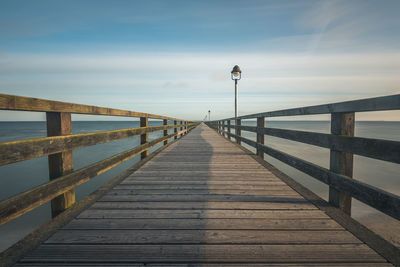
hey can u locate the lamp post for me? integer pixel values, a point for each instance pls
(236, 74)
(209, 115)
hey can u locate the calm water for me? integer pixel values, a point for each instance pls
(22, 176)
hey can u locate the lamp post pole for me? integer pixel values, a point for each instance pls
(209, 115)
(236, 74)
(236, 99)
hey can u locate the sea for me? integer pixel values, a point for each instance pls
(21, 176)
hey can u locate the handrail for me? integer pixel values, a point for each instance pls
(21, 103)
(382, 103)
(60, 142)
(342, 145)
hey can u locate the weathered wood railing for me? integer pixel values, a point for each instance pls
(342, 145)
(58, 147)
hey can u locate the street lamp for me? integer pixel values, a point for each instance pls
(209, 116)
(236, 74)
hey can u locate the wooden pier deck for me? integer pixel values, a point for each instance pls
(203, 200)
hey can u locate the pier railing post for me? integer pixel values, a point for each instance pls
(260, 135)
(229, 129)
(144, 138)
(340, 162)
(165, 122)
(223, 128)
(59, 123)
(175, 130)
(181, 128)
(238, 131)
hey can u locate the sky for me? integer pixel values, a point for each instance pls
(174, 57)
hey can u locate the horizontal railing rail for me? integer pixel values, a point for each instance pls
(391, 102)
(25, 149)
(60, 142)
(21, 103)
(385, 150)
(341, 142)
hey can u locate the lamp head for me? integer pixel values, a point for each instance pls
(236, 73)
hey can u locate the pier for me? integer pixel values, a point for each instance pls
(201, 199)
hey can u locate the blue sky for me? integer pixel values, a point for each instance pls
(174, 57)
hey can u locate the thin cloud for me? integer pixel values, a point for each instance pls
(169, 79)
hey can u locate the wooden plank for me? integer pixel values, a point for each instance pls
(260, 136)
(201, 168)
(217, 174)
(212, 174)
(238, 132)
(201, 179)
(195, 197)
(340, 162)
(59, 264)
(287, 192)
(205, 236)
(201, 159)
(391, 102)
(162, 181)
(19, 150)
(144, 138)
(242, 223)
(12, 102)
(202, 187)
(175, 129)
(165, 122)
(229, 128)
(62, 163)
(207, 165)
(205, 205)
(205, 253)
(197, 214)
(368, 147)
